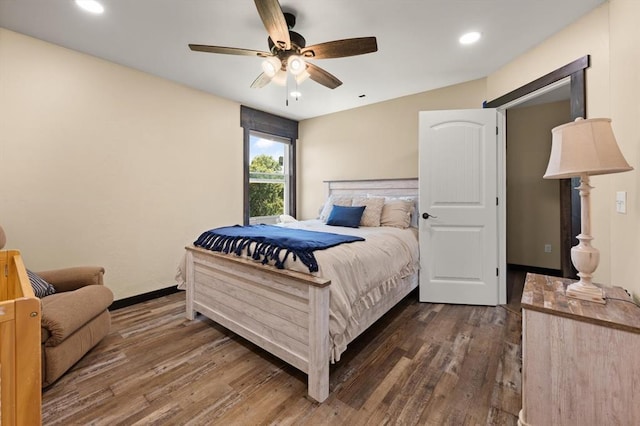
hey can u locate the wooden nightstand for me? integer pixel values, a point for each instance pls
(580, 360)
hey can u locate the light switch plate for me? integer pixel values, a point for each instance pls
(621, 202)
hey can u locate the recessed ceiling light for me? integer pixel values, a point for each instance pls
(90, 6)
(469, 38)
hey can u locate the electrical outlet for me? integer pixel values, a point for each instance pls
(547, 248)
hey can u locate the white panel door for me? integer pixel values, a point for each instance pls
(458, 207)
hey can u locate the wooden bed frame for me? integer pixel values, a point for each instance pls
(284, 312)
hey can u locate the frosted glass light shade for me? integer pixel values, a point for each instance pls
(295, 64)
(271, 66)
(584, 147)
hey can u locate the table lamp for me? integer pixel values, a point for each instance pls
(580, 149)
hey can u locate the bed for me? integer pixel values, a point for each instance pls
(299, 316)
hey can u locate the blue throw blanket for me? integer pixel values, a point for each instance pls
(270, 241)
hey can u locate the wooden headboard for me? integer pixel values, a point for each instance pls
(404, 187)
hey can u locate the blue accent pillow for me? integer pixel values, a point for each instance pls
(345, 216)
(41, 288)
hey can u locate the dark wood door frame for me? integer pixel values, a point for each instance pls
(569, 199)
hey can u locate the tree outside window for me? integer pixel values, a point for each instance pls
(266, 186)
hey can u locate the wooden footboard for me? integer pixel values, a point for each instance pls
(283, 312)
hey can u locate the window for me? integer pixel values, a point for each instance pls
(268, 177)
(269, 166)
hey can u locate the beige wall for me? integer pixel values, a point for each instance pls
(533, 204)
(101, 164)
(625, 113)
(376, 141)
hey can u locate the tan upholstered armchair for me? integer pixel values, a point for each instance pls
(74, 319)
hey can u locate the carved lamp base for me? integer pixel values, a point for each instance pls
(583, 292)
(585, 258)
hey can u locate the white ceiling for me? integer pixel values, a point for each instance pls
(417, 42)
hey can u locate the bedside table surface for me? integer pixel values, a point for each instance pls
(545, 293)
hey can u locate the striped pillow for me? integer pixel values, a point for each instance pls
(41, 288)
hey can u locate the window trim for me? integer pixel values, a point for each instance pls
(263, 122)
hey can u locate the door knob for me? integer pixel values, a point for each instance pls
(427, 216)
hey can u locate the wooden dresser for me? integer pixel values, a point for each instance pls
(580, 360)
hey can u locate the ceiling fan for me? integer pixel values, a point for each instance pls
(288, 50)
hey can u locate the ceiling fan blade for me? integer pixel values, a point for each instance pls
(273, 20)
(341, 48)
(319, 75)
(228, 50)
(261, 81)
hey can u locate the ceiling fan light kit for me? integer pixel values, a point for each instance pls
(288, 50)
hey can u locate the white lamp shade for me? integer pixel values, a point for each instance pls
(584, 147)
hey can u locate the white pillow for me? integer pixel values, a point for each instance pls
(338, 200)
(285, 218)
(372, 211)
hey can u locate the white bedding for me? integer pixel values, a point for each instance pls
(361, 273)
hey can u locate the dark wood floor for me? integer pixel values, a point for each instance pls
(426, 364)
